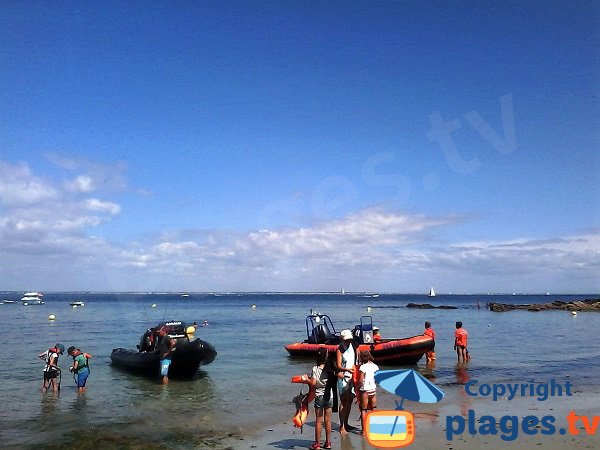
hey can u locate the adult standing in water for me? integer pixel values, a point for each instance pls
(345, 360)
(165, 349)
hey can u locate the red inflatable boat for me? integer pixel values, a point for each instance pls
(321, 333)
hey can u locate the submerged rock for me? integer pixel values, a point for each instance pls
(577, 305)
(429, 306)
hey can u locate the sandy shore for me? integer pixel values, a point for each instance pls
(431, 424)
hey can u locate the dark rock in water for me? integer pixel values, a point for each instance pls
(577, 305)
(429, 306)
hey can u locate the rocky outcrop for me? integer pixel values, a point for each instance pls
(578, 305)
(429, 306)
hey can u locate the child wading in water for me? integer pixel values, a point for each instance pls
(368, 397)
(460, 343)
(323, 378)
(430, 355)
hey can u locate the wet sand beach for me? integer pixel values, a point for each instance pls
(431, 425)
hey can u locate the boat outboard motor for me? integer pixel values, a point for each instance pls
(321, 334)
(146, 341)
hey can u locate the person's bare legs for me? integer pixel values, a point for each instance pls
(327, 426)
(318, 424)
(345, 406)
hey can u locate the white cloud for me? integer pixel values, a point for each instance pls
(18, 187)
(81, 183)
(570, 254)
(44, 217)
(90, 175)
(93, 204)
(45, 238)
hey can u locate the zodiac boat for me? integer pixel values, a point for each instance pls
(398, 351)
(187, 356)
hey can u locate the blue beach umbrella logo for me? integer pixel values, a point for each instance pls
(410, 385)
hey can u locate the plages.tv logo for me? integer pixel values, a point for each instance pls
(396, 428)
(390, 429)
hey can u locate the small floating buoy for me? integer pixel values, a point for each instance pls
(51, 317)
(574, 313)
(154, 305)
(253, 306)
(489, 324)
(369, 309)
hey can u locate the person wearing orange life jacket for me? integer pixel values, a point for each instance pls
(460, 343)
(430, 355)
(51, 369)
(80, 368)
(376, 335)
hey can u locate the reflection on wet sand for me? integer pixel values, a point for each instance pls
(461, 371)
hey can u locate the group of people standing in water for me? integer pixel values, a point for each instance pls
(52, 371)
(352, 375)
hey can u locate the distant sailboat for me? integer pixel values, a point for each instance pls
(342, 291)
(431, 292)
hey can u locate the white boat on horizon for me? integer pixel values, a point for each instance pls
(32, 298)
(77, 303)
(431, 292)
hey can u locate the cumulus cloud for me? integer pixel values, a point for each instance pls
(18, 186)
(81, 183)
(93, 204)
(46, 230)
(44, 216)
(576, 254)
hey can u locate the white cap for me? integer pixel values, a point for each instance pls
(346, 335)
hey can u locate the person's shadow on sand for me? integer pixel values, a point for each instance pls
(291, 443)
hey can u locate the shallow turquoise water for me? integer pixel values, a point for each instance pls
(248, 383)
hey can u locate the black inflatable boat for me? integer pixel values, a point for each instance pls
(186, 358)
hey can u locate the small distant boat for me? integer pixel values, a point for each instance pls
(431, 292)
(76, 304)
(185, 295)
(32, 298)
(9, 301)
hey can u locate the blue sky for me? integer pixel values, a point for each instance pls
(382, 146)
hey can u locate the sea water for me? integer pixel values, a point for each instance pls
(248, 384)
